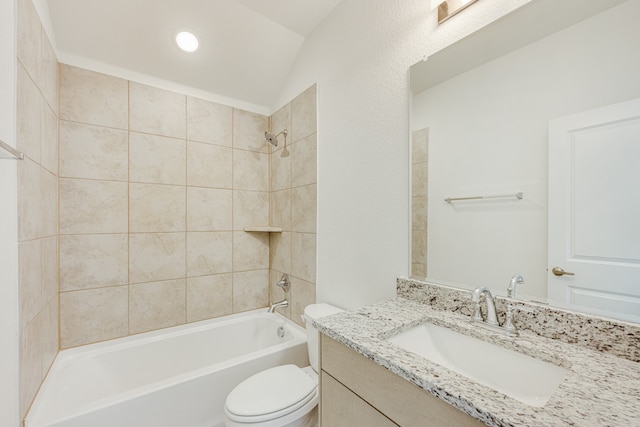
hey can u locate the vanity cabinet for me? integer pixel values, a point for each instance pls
(356, 391)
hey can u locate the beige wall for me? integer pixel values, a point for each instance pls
(294, 203)
(37, 128)
(155, 189)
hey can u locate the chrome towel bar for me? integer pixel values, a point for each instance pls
(518, 196)
(13, 153)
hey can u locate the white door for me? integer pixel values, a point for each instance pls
(594, 210)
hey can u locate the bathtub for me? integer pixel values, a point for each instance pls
(175, 377)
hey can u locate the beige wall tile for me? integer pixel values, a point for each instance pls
(29, 116)
(280, 170)
(250, 170)
(304, 209)
(49, 72)
(29, 200)
(248, 131)
(303, 250)
(30, 374)
(50, 276)
(93, 261)
(419, 179)
(93, 315)
(157, 111)
(48, 217)
(304, 115)
(250, 208)
(89, 207)
(209, 165)
(250, 290)
(418, 246)
(28, 38)
(157, 208)
(250, 251)
(280, 251)
(419, 212)
(93, 152)
(93, 98)
(30, 280)
(49, 140)
(209, 122)
(303, 293)
(277, 294)
(418, 271)
(304, 162)
(157, 305)
(281, 209)
(157, 159)
(156, 256)
(38, 276)
(420, 145)
(50, 339)
(209, 253)
(209, 296)
(209, 209)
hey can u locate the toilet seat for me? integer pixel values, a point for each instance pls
(271, 394)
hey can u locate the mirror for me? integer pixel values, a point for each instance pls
(480, 113)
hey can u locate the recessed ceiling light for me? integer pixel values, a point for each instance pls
(187, 41)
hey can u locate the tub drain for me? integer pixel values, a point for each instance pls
(280, 331)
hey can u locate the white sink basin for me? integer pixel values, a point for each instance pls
(527, 379)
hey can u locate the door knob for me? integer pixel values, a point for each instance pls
(560, 272)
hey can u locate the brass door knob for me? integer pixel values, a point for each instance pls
(560, 272)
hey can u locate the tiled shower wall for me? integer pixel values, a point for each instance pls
(155, 189)
(419, 202)
(294, 202)
(37, 138)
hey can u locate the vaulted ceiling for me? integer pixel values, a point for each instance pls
(246, 49)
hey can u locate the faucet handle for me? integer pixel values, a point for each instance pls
(516, 280)
(284, 282)
(509, 324)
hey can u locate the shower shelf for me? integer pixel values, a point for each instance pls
(264, 229)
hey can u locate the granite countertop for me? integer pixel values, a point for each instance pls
(598, 390)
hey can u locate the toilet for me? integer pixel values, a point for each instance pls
(286, 395)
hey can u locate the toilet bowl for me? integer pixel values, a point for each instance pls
(286, 395)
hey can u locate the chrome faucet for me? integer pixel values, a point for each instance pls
(492, 317)
(515, 280)
(275, 305)
(285, 284)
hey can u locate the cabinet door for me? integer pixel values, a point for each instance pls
(399, 400)
(342, 408)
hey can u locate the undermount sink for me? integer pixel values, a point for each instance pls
(524, 378)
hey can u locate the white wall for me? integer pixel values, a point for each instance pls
(360, 57)
(8, 224)
(488, 135)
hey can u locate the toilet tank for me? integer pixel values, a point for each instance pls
(312, 312)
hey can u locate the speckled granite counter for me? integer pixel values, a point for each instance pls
(599, 389)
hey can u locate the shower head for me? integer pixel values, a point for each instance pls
(273, 138)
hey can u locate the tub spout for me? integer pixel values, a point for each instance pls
(275, 305)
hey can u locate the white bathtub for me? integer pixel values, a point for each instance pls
(175, 377)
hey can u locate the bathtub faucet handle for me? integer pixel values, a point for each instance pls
(284, 282)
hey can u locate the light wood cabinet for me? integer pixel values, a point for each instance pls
(356, 391)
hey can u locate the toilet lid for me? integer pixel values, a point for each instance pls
(270, 391)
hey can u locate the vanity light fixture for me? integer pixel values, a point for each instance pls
(449, 8)
(187, 41)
